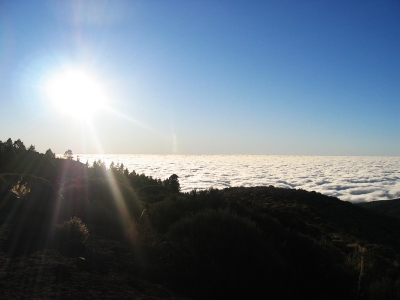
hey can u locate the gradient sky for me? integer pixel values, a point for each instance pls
(207, 77)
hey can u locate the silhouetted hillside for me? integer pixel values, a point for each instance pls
(389, 207)
(69, 230)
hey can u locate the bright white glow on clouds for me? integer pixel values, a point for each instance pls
(350, 178)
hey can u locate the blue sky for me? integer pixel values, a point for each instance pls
(206, 77)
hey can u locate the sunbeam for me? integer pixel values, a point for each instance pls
(127, 118)
(119, 200)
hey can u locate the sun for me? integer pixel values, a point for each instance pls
(76, 92)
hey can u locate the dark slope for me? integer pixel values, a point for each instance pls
(318, 246)
(149, 241)
(239, 242)
(389, 207)
(321, 216)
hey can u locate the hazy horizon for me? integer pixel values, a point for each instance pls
(61, 155)
(202, 77)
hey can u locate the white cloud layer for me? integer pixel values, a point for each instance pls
(349, 178)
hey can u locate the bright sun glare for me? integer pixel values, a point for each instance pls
(76, 93)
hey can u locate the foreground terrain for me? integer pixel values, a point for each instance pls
(69, 230)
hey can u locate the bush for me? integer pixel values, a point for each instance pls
(222, 254)
(73, 229)
(173, 208)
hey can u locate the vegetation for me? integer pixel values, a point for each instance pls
(389, 207)
(73, 229)
(236, 242)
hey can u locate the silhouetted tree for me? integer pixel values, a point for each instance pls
(32, 148)
(19, 145)
(68, 154)
(173, 183)
(98, 169)
(8, 145)
(50, 156)
(49, 153)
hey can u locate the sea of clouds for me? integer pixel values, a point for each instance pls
(349, 178)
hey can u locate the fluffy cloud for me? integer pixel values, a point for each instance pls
(348, 178)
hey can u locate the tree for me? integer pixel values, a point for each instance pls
(19, 145)
(98, 169)
(32, 148)
(68, 154)
(173, 183)
(49, 153)
(8, 145)
(50, 156)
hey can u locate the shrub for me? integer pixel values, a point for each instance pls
(173, 208)
(220, 253)
(73, 229)
(21, 189)
(384, 288)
